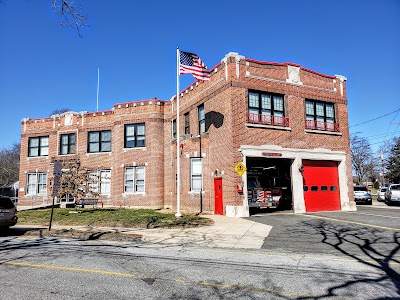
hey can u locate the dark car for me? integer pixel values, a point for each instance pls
(362, 195)
(8, 213)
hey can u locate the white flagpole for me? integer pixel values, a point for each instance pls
(178, 163)
(98, 84)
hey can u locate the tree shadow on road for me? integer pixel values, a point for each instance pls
(374, 248)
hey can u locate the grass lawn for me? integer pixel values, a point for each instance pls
(132, 218)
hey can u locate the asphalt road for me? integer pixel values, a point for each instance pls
(314, 256)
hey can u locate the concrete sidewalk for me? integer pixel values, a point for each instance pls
(226, 232)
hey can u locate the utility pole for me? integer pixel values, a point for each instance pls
(383, 169)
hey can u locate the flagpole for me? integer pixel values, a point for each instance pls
(98, 84)
(178, 163)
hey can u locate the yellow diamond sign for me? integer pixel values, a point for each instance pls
(240, 168)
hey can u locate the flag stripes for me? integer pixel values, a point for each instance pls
(190, 63)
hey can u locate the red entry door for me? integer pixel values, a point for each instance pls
(218, 201)
(321, 185)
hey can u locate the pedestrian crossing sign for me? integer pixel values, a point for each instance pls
(240, 168)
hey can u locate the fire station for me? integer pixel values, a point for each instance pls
(257, 135)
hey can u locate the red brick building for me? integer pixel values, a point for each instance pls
(287, 125)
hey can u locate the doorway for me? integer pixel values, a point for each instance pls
(218, 200)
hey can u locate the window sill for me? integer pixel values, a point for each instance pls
(98, 153)
(37, 157)
(134, 148)
(133, 194)
(268, 126)
(196, 192)
(322, 132)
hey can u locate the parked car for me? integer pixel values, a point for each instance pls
(381, 194)
(392, 194)
(362, 195)
(8, 212)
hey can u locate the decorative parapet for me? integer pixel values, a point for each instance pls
(341, 79)
(294, 75)
(237, 57)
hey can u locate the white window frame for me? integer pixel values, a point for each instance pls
(195, 174)
(103, 183)
(39, 184)
(136, 183)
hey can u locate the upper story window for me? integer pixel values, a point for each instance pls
(38, 146)
(187, 123)
(99, 141)
(320, 116)
(68, 143)
(36, 184)
(267, 109)
(173, 129)
(202, 119)
(134, 135)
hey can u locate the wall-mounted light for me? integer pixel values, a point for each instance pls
(301, 169)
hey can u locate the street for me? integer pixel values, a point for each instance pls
(334, 255)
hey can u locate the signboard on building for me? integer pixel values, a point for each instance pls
(271, 154)
(240, 168)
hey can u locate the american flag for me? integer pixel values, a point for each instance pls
(190, 63)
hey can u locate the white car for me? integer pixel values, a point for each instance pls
(381, 194)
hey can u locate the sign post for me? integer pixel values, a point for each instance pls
(57, 175)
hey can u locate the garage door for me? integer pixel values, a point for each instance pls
(321, 185)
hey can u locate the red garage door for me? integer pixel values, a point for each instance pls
(321, 185)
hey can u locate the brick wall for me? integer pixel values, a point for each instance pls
(225, 98)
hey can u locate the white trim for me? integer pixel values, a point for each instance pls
(297, 155)
(268, 126)
(322, 132)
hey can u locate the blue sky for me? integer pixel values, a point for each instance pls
(44, 66)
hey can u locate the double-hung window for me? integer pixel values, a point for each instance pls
(134, 180)
(99, 141)
(187, 123)
(100, 182)
(196, 174)
(36, 184)
(135, 135)
(173, 129)
(266, 108)
(320, 115)
(202, 119)
(38, 146)
(68, 143)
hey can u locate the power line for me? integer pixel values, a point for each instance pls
(396, 111)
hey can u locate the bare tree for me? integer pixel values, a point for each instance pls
(70, 14)
(9, 165)
(76, 181)
(59, 111)
(393, 162)
(362, 158)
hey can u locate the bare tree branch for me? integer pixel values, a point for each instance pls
(70, 14)
(362, 158)
(9, 165)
